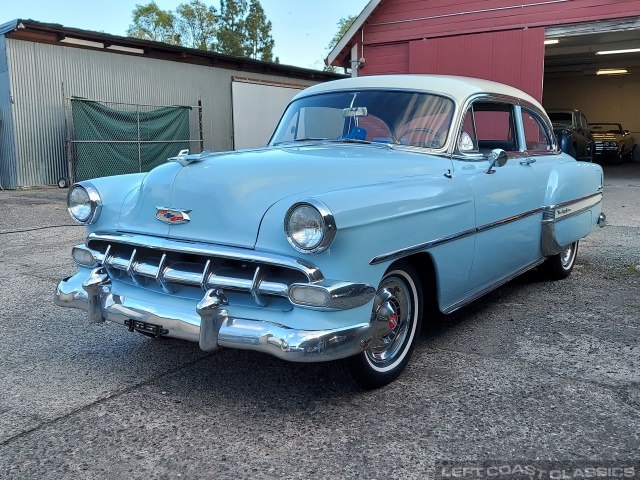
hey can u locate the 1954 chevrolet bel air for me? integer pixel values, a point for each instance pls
(376, 199)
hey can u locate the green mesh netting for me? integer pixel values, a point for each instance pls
(107, 126)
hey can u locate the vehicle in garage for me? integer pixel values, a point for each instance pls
(572, 131)
(613, 143)
(378, 201)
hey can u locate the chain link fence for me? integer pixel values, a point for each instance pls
(111, 138)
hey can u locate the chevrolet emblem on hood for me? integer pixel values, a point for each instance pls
(172, 216)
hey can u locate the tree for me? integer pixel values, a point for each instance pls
(258, 43)
(343, 25)
(152, 23)
(231, 27)
(196, 25)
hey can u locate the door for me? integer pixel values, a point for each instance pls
(508, 199)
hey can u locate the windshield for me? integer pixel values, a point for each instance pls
(560, 117)
(605, 128)
(403, 118)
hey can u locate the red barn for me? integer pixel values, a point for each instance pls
(551, 49)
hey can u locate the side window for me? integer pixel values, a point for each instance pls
(535, 134)
(494, 126)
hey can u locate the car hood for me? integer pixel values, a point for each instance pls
(226, 195)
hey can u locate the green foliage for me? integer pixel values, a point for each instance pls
(196, 25)
(258, 43)
(343, 25)
(152, 23)
(231, 27)
(241, 28)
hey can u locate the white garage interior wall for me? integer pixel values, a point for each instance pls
(257, 107)
(602, 98)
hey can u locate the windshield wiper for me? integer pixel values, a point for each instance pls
(352, 140)
(305, 139)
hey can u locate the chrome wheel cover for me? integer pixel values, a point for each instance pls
(393, 320)
(568, 256)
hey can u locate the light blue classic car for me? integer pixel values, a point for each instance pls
(377, 200)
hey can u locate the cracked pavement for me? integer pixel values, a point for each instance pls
(533, 370)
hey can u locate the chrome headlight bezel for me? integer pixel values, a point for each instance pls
(329, 228)
(93, 201)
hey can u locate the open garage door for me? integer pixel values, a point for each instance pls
(257, 107)
(604, 86)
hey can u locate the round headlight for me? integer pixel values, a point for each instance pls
(309, 226)
(83, 203)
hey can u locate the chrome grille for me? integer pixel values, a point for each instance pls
(171, 269)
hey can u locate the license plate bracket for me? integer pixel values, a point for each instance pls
(145, 328)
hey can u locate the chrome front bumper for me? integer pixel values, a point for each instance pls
(210, 323)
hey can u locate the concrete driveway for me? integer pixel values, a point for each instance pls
(534, 370)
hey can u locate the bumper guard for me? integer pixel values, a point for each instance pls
(209, 323)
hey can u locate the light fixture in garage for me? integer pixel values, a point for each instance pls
(551, 41)
(611, 71)
(612, 52)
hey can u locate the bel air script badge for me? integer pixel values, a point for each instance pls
(172, 216)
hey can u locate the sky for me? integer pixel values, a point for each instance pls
(302, 29)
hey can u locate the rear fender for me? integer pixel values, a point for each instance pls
(573, 204)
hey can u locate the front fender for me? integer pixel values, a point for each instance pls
(113, 191)
(378, 220)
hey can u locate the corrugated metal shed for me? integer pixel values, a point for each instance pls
(35, 65)
(8, 174)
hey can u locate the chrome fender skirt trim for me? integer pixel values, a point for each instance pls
(563, 211)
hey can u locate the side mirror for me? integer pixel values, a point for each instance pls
(626, 132)
(497, 157)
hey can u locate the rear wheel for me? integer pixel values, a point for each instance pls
(560, 266)
(396, 320)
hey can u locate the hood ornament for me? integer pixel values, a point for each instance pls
(184, 159)
(172, 216)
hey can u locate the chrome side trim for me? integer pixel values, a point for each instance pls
(311, 271)
(550, 214)
(489, 288)
(450, 238)
(419, 247)
(504, 221)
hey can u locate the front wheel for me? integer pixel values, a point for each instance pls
(396, 320)
(559, 266)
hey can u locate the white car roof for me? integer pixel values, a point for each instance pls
(458, 87)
